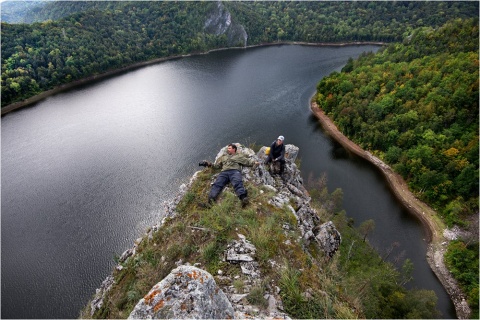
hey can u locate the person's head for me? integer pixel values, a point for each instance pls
(231, 148)
(280, 140)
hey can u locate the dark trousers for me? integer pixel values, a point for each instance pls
(282, 162)
(233, 176)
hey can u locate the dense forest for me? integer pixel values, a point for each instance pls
(93, 37)
(415, 105)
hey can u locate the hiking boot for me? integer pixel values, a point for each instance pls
(208, 204)
(245, 202)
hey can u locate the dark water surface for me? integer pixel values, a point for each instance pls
(85, 173)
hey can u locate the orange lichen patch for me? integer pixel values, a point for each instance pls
(159, 305)
(149, 297)
(194, 275)
(197, 276)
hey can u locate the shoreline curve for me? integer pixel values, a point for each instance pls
(437, 243)
(45, 94)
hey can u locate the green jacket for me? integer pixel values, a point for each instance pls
(233, 162)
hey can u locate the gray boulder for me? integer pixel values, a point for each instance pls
(328, 237)
(186, 293)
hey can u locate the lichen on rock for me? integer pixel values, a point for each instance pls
(186, 293)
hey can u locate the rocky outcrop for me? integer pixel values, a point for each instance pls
(290, 189)
(219, 22)
(242, 252)
(190, 292)
(186, 293)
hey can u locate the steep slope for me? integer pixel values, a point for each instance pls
(281, 256)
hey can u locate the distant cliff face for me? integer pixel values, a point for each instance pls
(191, 292)
(220, 22)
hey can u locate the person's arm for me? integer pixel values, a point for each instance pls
(282, 154)
(245, 161)
(218, 164)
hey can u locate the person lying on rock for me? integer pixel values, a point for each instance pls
(277, 153)
(231, 166)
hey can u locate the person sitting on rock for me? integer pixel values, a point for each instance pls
(231, 166)
(277, 153)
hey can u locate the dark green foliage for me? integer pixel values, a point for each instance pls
(336, 21)
(378, 282)
(463, 262)
(417, 108)
(41, 56)
(86, 38)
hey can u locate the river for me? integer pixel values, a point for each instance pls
(85, 172)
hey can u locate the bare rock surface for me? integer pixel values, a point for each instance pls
(186, 293)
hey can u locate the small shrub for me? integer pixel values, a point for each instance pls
(211, 255)
(256, 297)
(238, 285)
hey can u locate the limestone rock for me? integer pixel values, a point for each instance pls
(97, 301)
(220, 22)
(186, 293)
(242, 252)
(329, 238)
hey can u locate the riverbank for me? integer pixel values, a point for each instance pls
(77, 83)
(93, 78)
(429, 218)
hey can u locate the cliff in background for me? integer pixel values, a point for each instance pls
(219, 22)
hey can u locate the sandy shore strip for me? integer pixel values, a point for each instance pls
(433, 225)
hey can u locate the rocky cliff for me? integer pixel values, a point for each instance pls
(238, 286)
(219, 22)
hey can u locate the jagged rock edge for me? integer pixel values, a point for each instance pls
(290, 187)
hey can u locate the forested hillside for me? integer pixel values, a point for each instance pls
(415, 105)
(95, 37)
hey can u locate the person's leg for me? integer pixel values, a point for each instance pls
(268, 160)
(218, 186)
(237, 182)
(282, 166)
